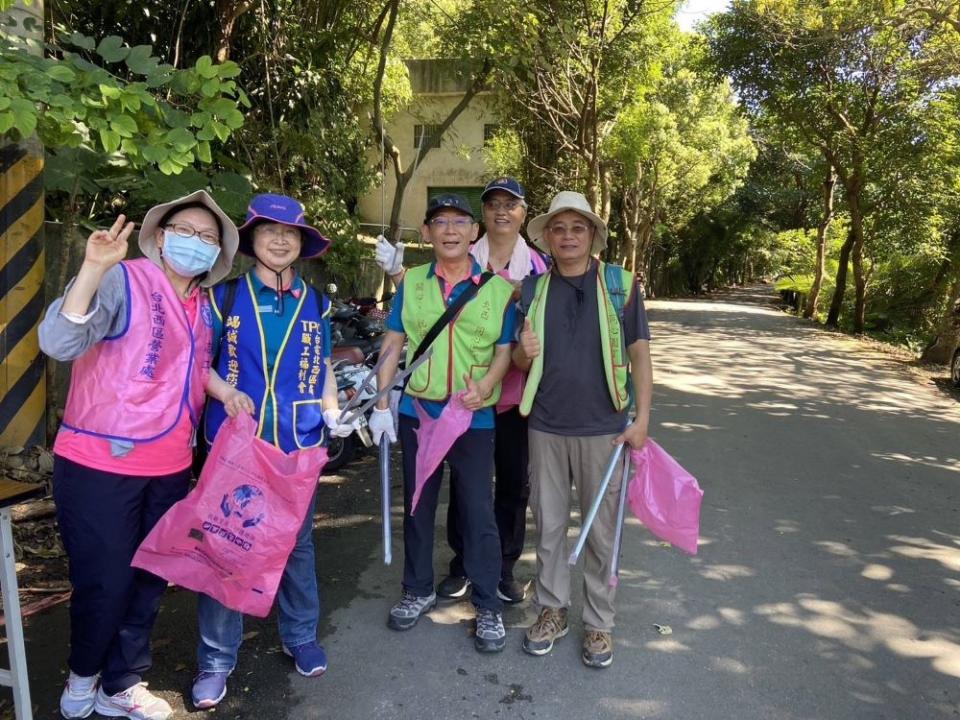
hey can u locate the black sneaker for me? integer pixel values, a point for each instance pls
(404, 614)
(512, 591)
(491, 636)
(453, 587)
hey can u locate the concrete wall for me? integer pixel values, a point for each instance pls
(458, 162)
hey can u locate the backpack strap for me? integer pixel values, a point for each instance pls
(618, 293)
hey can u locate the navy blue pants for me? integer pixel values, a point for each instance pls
(511, 459)
(471, 457)
(103, 517)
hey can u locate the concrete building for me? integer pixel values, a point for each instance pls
(456, 162)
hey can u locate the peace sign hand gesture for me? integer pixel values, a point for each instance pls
(105, 248)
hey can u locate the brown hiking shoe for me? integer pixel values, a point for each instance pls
(597, 649)
(550, 625)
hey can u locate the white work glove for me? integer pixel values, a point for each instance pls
(331, 418)
(380, 422)
(389, 257)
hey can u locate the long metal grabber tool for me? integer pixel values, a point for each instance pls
(382, 392)
(597, 501)
(365, 385)
(385, 497)
(618, 533)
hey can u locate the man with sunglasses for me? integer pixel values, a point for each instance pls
(471, 353)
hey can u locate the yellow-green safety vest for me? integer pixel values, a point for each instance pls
(464, 347)
(616, 363)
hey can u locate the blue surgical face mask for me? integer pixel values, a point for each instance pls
(188, 256)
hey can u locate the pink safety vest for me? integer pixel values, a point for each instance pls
(136, 385)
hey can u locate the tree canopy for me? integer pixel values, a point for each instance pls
(810, 140)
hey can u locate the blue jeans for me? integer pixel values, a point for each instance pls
(298, 599)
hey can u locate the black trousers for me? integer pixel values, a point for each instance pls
(512, 490)
(471, 464)
(103, 517)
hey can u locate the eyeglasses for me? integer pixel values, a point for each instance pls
(577, 230)
(457, 223)
(278, 232)
(497, 205)
(187, 231)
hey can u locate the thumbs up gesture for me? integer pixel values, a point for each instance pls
(529, 341)
(477, 392)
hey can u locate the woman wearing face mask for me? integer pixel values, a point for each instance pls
(139, 335)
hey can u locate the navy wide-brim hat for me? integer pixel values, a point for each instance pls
(286, 211)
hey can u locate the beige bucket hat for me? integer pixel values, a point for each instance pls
(229, 238)
(563, 201)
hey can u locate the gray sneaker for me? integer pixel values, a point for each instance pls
(404, 614)
(490, 637)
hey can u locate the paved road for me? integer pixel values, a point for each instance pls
(827, 583)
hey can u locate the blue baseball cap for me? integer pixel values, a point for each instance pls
(507, 185)
(286, 211)
(448, 201)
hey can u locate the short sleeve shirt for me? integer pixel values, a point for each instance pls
(573, 397)
(483, 419)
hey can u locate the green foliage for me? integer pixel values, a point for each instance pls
(118, 101)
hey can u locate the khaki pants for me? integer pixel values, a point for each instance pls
(556, 463)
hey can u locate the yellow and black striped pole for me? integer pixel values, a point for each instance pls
(22, 377)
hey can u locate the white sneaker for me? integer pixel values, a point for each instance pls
(136, 703)
(79, 696)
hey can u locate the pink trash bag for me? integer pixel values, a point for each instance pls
(511, 389)
(230, 537)
(665, 497)
(435, 437)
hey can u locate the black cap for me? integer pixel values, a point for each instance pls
(448, 201)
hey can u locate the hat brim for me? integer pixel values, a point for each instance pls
(229, 237)
(486, 192)
(312, 243)
(536, 226)
(429, 215)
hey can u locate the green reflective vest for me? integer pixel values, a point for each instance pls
(464, 347)
(615, 360)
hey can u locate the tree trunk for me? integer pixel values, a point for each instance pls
(859, 278)
(227, 12)
(813, 298)
(836, 304)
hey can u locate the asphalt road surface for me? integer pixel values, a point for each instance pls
(827, 584)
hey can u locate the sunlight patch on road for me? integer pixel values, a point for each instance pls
(837, 548)
(729, 665)
(874, 571)
(923, 549)
(893, 510)
(951, 464)
(667, 646)
(628, 707)
(866, 631)
(688, 427)
(726, 572)
(713, 307)
(451, 613)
